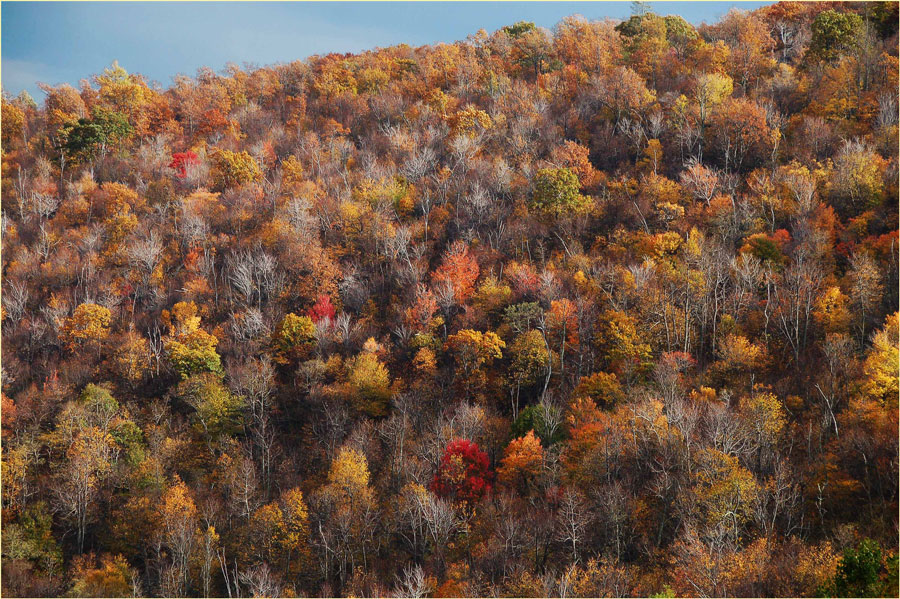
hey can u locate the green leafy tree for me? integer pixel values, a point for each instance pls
(833, 32)
(863, 572)
(195, 352)
(217, 412)
(520, 28)
(556, 192)
(89, 139)
(535, 418)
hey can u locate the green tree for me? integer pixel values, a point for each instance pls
(30, 539)
(556, 192)
(217, 411)
(195, 352)
(833, 33)
(520, 28)
(87, 140)
(863, 572)
(521, 317)
(534, 418)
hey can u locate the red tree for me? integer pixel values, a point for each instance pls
(323, 308)
(181, 161)
(464, 474)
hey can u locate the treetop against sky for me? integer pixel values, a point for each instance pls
(59, 42)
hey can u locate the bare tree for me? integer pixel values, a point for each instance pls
(573, 519)
(145, 252)
(887, 111)
(413, 583)
(15, 300)
(865, 288)
(442, 521)
(700, 181)
(255, 275)
(78, 484)
(260, 581)
(254, 379)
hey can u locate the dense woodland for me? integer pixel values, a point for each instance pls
(607, 310)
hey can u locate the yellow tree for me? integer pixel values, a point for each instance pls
(857, 178)
(470, 122)
(208, 541)
(765, 418)
(473, 350)
(132, 357)
(739, 358)
(831, 311)
(233, 169)
(623, 347)
(293, 339)
(293, 539)
(280, 532)
(370, 380)
(14, 123)
(190, 349)
(601, 387)
(111, 577)
(725, 491)
(87, 327)
(345, 514)
(124, 93)
(710, 90)
(178, 515)
(880, 367)
(529, 361)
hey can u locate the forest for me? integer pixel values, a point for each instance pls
(607, 310)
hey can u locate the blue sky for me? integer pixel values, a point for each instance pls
(60, 42)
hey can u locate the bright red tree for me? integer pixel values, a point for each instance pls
(464, 474)
(323, 308)
(181, 161)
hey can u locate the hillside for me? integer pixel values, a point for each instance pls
(607, 310)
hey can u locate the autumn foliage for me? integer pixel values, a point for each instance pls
(464, 474)
(605, 309)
